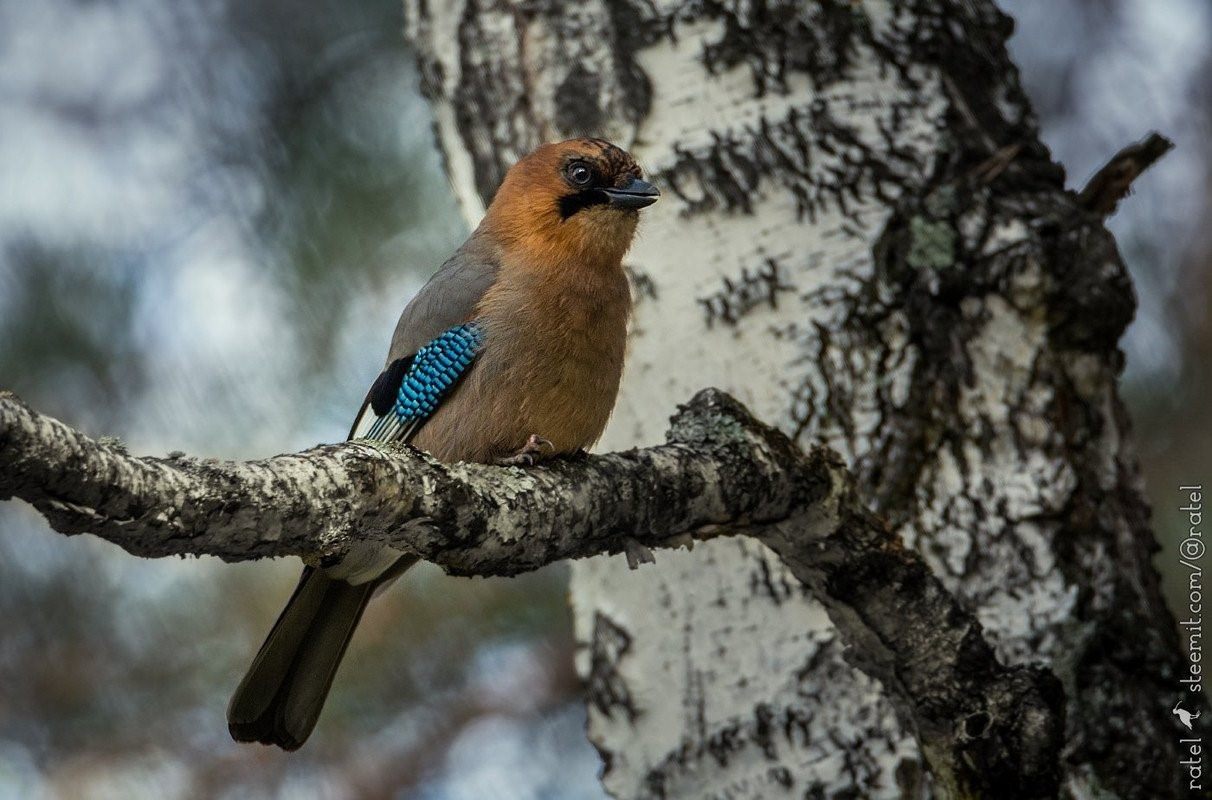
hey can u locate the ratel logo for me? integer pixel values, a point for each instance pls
(1184, 716)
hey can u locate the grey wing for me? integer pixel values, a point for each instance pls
(449, 298)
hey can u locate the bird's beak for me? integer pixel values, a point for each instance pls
(633, 194)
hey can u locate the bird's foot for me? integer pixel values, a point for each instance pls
(535, 450)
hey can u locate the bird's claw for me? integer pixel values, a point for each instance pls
(536, 449)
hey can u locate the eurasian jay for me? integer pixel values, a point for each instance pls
(511, 353)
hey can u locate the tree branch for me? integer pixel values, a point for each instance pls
(1113, 181)
(987, 730)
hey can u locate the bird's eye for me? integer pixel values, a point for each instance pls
(579, 173)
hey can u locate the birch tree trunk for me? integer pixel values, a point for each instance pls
(864, 240)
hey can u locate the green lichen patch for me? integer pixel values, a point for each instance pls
(931, 244)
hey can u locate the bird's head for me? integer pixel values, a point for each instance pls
(577, 199)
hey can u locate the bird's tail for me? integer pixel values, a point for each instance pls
(280, 698)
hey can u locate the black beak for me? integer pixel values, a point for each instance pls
(633, 194)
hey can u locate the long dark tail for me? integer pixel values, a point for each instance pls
(281, 696)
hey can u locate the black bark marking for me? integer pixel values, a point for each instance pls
(764, 581)
(604, 687)
(821, 161)
(777, 38)
(643, 287)
(755, 289)
(577, 110)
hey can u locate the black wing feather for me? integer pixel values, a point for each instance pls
(383, 393)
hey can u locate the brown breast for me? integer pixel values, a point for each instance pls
(551, 365)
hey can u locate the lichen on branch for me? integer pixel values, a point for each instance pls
(986, 728)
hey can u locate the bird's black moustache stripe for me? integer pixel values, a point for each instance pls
(572, 203)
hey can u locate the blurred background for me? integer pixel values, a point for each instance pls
(211, 214)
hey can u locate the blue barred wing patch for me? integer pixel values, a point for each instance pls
(435, 369)
(433, 372)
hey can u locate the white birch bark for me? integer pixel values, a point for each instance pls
(863, 240)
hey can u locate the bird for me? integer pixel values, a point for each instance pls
(511, 354)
